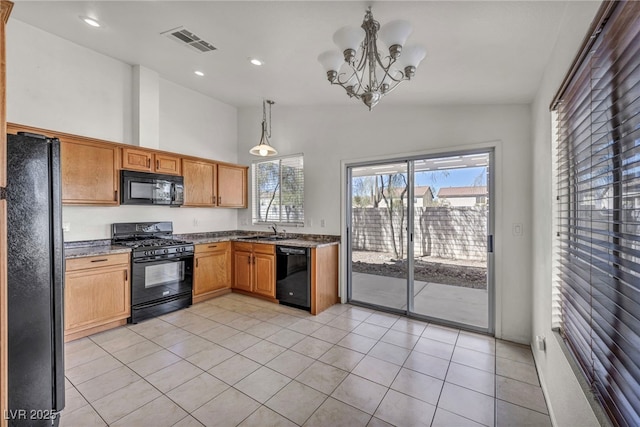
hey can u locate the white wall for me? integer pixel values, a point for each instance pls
(567, 404)
(55, 84)
(194, 124)
(330, 135)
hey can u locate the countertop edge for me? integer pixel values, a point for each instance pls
(87, 251)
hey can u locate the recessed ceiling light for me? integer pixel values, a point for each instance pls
(256, 61)
(199, 73)
(90, 21)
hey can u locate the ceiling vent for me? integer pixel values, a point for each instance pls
(187, 38)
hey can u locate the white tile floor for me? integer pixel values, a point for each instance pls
(237, 360)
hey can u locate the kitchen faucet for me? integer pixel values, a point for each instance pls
(274, 227)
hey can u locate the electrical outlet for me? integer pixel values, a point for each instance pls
(66, 226)
(195, 222)
(322, 223)
(243, 221)
(309, 222)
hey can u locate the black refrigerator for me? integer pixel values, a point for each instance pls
(35, 267)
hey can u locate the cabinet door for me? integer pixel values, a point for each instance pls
(96, 296)
(242, 270)
(211, 272)
(232, 186)
(265, 275)
(136, 160)
(198, 183)
(169, 165)
(89, 173)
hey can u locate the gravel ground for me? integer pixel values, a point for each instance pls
(470, 274)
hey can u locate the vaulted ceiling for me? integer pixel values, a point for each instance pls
(477, 51)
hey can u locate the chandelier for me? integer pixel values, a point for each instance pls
(361, 70)
(264, 148)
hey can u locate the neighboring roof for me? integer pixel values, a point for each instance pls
(418, 191)
(422, 190)
(480, 190)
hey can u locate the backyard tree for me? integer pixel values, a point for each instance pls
(393, 189)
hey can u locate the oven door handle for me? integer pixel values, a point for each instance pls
(172, 192)
(172, 259)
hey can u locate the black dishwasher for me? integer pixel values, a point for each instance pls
(293, 277)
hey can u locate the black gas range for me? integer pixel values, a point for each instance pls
(161, 268)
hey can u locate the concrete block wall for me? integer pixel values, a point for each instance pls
(439, 231)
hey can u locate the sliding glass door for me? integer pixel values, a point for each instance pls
(379, 207)
(418, 238)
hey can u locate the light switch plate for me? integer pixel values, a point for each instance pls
(516, 229)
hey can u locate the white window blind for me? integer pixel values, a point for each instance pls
(278, 190)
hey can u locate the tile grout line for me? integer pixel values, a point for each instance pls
(235, 306)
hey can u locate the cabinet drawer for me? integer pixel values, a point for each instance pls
(242, 246)
(264, 248)
(212, 247)
(96, 261)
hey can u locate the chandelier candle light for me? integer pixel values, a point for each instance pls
(264, 148)
(368, 76)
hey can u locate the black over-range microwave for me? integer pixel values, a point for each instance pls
(141, 188)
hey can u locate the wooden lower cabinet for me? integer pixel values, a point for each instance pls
(212, 270)
(324, 278)
(97, 294)
(243, 270)
(255, 269)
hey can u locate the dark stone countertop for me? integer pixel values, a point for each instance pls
(85, 248)
(92, 250)
(297, 240)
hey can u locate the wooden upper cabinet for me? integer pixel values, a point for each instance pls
(167, 164)
(136, 159)
(89, 173)
(199, 183)
(89, 167)
(139, 159)
(232, 186)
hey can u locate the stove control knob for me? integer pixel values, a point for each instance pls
(146, 252)
(166, 251)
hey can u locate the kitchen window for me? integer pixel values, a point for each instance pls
(278, 190)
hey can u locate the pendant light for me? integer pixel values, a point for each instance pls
(264, 148)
